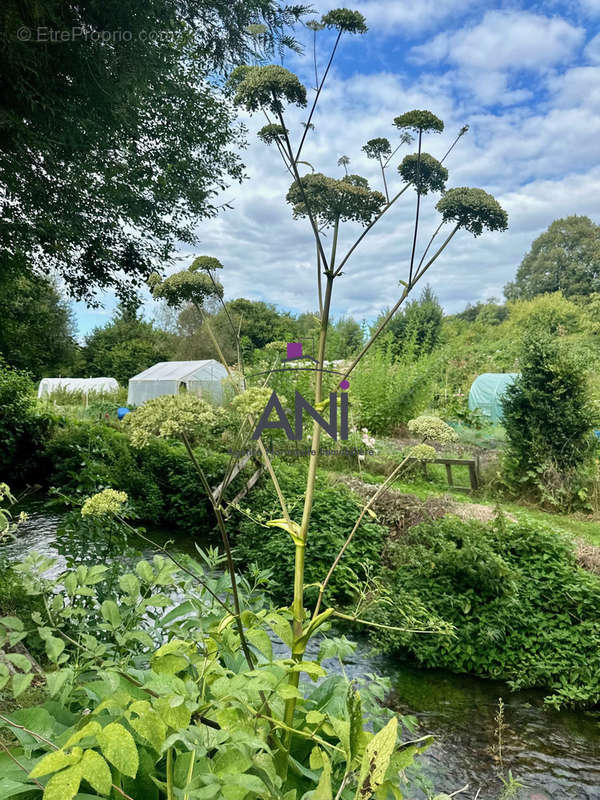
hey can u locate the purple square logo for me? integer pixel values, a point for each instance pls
(294, 350)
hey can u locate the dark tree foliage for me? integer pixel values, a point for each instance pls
(114, 142)
(547, 414)
(37, 328)
(565, 258)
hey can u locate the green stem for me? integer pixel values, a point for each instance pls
(170, 793)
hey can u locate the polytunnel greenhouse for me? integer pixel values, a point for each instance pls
(84, 385)
(487, 392)
(204, 378)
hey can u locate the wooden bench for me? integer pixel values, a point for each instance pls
(471, 463)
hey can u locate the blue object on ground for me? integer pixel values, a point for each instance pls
(122, 411)
(597, 434)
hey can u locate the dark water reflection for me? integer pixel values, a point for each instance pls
(555, 755)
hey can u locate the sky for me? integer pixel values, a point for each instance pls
(525, 77)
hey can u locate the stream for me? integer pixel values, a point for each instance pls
(554, 755)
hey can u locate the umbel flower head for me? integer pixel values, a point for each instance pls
(191, 285)
(377, 148)
(419, 121)
(266, 87)
(345, 20)
(170, 417)
(423, 452)
(473, 210)
(432, 429)
(425, 172)
(330, 199)
(106, 502)
(253, 400)
(271, 133)
(205, 264)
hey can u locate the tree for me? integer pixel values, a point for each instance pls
(548, 419)
(115, 138)
(37, 333)
(418, 326)
(564, 258)
(126, 346)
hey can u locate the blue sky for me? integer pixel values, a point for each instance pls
(524, 76)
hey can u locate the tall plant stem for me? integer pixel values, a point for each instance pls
(416, 231)
(407, 289)
(319, 282)
(385, 186)
(170, 795)
(316, 100)
(225, 538)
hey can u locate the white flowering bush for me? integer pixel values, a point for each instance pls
(104, 503)
(432, 429)
(171, 417)
(423, 452)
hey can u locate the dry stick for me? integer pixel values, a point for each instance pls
(294, 165)
(416, 230)
(316, 100)
(18, 763)
(391, 313)
(350, 536)
(225, 539)
(41, 738)
(385, 186)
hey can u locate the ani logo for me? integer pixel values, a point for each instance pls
(294, 353)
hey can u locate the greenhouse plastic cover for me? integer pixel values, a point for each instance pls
(171, 377)
(85, 385)
(487, 392)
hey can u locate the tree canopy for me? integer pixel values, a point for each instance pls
(115, 138)
(564, 258)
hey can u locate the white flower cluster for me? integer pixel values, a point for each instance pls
(432, 429)
(108, 501)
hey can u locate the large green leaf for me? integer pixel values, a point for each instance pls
(376, 760)
(96, 771)
(118, 747)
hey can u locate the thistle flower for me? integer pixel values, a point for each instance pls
(432, 429)
(187, 286)
(331, 199)
(170, 417)
(345, 20)
(266, 87)
(473, 210)
(271, 133)
(108, 501)
(378, 148)
(205, 264)
(432, 176)
(419, 121)
(423, 452)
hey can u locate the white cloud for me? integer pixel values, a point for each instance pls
(592, 50)
(389, 16)
(505, 40)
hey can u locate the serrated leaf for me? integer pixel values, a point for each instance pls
(64, 785)
(53, 762)
(260, 639)
(54, 647)
(96, 771)
(91, 729)
(118, 747)
(148, 725)
(376, 759)
(145, 571)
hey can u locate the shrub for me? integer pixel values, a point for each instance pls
(23, 427)
(549, 420)
(523, 611)
(334, 512)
